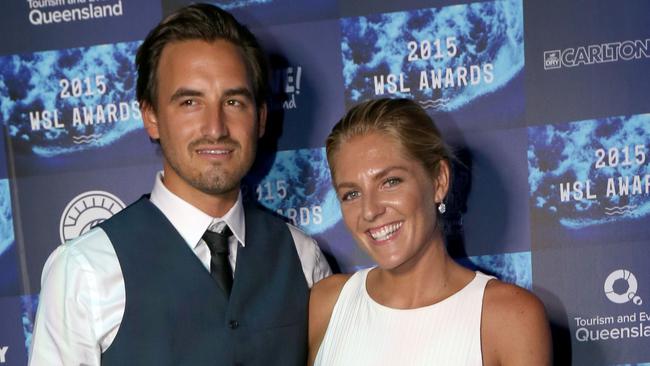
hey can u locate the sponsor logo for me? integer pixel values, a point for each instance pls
(621, 286)
(286, 87)
(41, 12)
(87, 210)
(597, 54)
(3, 353)
(552, 60)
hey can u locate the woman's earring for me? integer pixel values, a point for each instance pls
(442, 208)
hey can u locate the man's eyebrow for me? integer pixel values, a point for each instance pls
(244, 92)
(185, 92)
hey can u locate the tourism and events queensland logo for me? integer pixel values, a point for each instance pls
(590, 172)
(444, 58)
(67, 101)
(46, 12)
(628, 320)
(621, 286)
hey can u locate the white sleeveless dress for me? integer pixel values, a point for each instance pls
(362, 332)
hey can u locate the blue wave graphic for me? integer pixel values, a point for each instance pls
(478, 34)
(235, 4)
(298, 186)
(604, 152)
(67, 81)
(6, 217)
(510, 267)
(29, 304)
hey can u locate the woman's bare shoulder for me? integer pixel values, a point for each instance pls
(321, 304)
(329, 286)
(514, 326)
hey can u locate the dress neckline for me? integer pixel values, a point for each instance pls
(364, 279)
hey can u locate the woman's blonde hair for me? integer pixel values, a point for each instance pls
(401, 119)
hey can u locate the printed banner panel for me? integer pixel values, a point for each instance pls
(9, 267)
(81, 200)
(9, 280)
(487, 187)
(366, 7)
(37, 25)
(297, 185)
(13, 350)
(306, 83)
(255, 13)
(597, 299)
(463, 63)
(509, 267)
(73, 109)
(589, 181)
(586, 60)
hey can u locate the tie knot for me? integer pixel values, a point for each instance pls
(217, 242)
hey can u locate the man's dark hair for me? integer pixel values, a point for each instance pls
(198, 22)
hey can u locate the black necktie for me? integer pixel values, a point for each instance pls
(219, 264)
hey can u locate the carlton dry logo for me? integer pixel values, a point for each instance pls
(3, 353)
(434, 56)
(552, 60)
(87, 210)
(597, 54)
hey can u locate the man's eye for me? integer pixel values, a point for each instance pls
(234, 103)
(347, 196)
(188, 103)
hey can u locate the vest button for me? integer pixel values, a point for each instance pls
(233, 324)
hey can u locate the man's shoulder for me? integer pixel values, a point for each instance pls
(143, 203)
(86, 251)
(97, 239)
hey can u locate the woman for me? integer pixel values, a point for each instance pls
(391, 172)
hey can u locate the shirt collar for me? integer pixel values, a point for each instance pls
(189, 221)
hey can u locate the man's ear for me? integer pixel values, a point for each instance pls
(262, 120)
(150, 120)
(442, 181)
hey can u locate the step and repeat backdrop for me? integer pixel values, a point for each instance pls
(545, 103)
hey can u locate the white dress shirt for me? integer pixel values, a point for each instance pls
(82, 296)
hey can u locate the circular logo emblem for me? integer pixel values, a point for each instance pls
(620, 287)
(87, 210)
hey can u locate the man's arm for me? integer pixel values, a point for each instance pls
(314, 264)
(64, 329)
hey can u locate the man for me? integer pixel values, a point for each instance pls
(150, 285)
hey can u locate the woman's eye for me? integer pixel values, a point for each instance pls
(392, 181)
(349, 195)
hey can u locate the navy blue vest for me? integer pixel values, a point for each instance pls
(176, 314)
